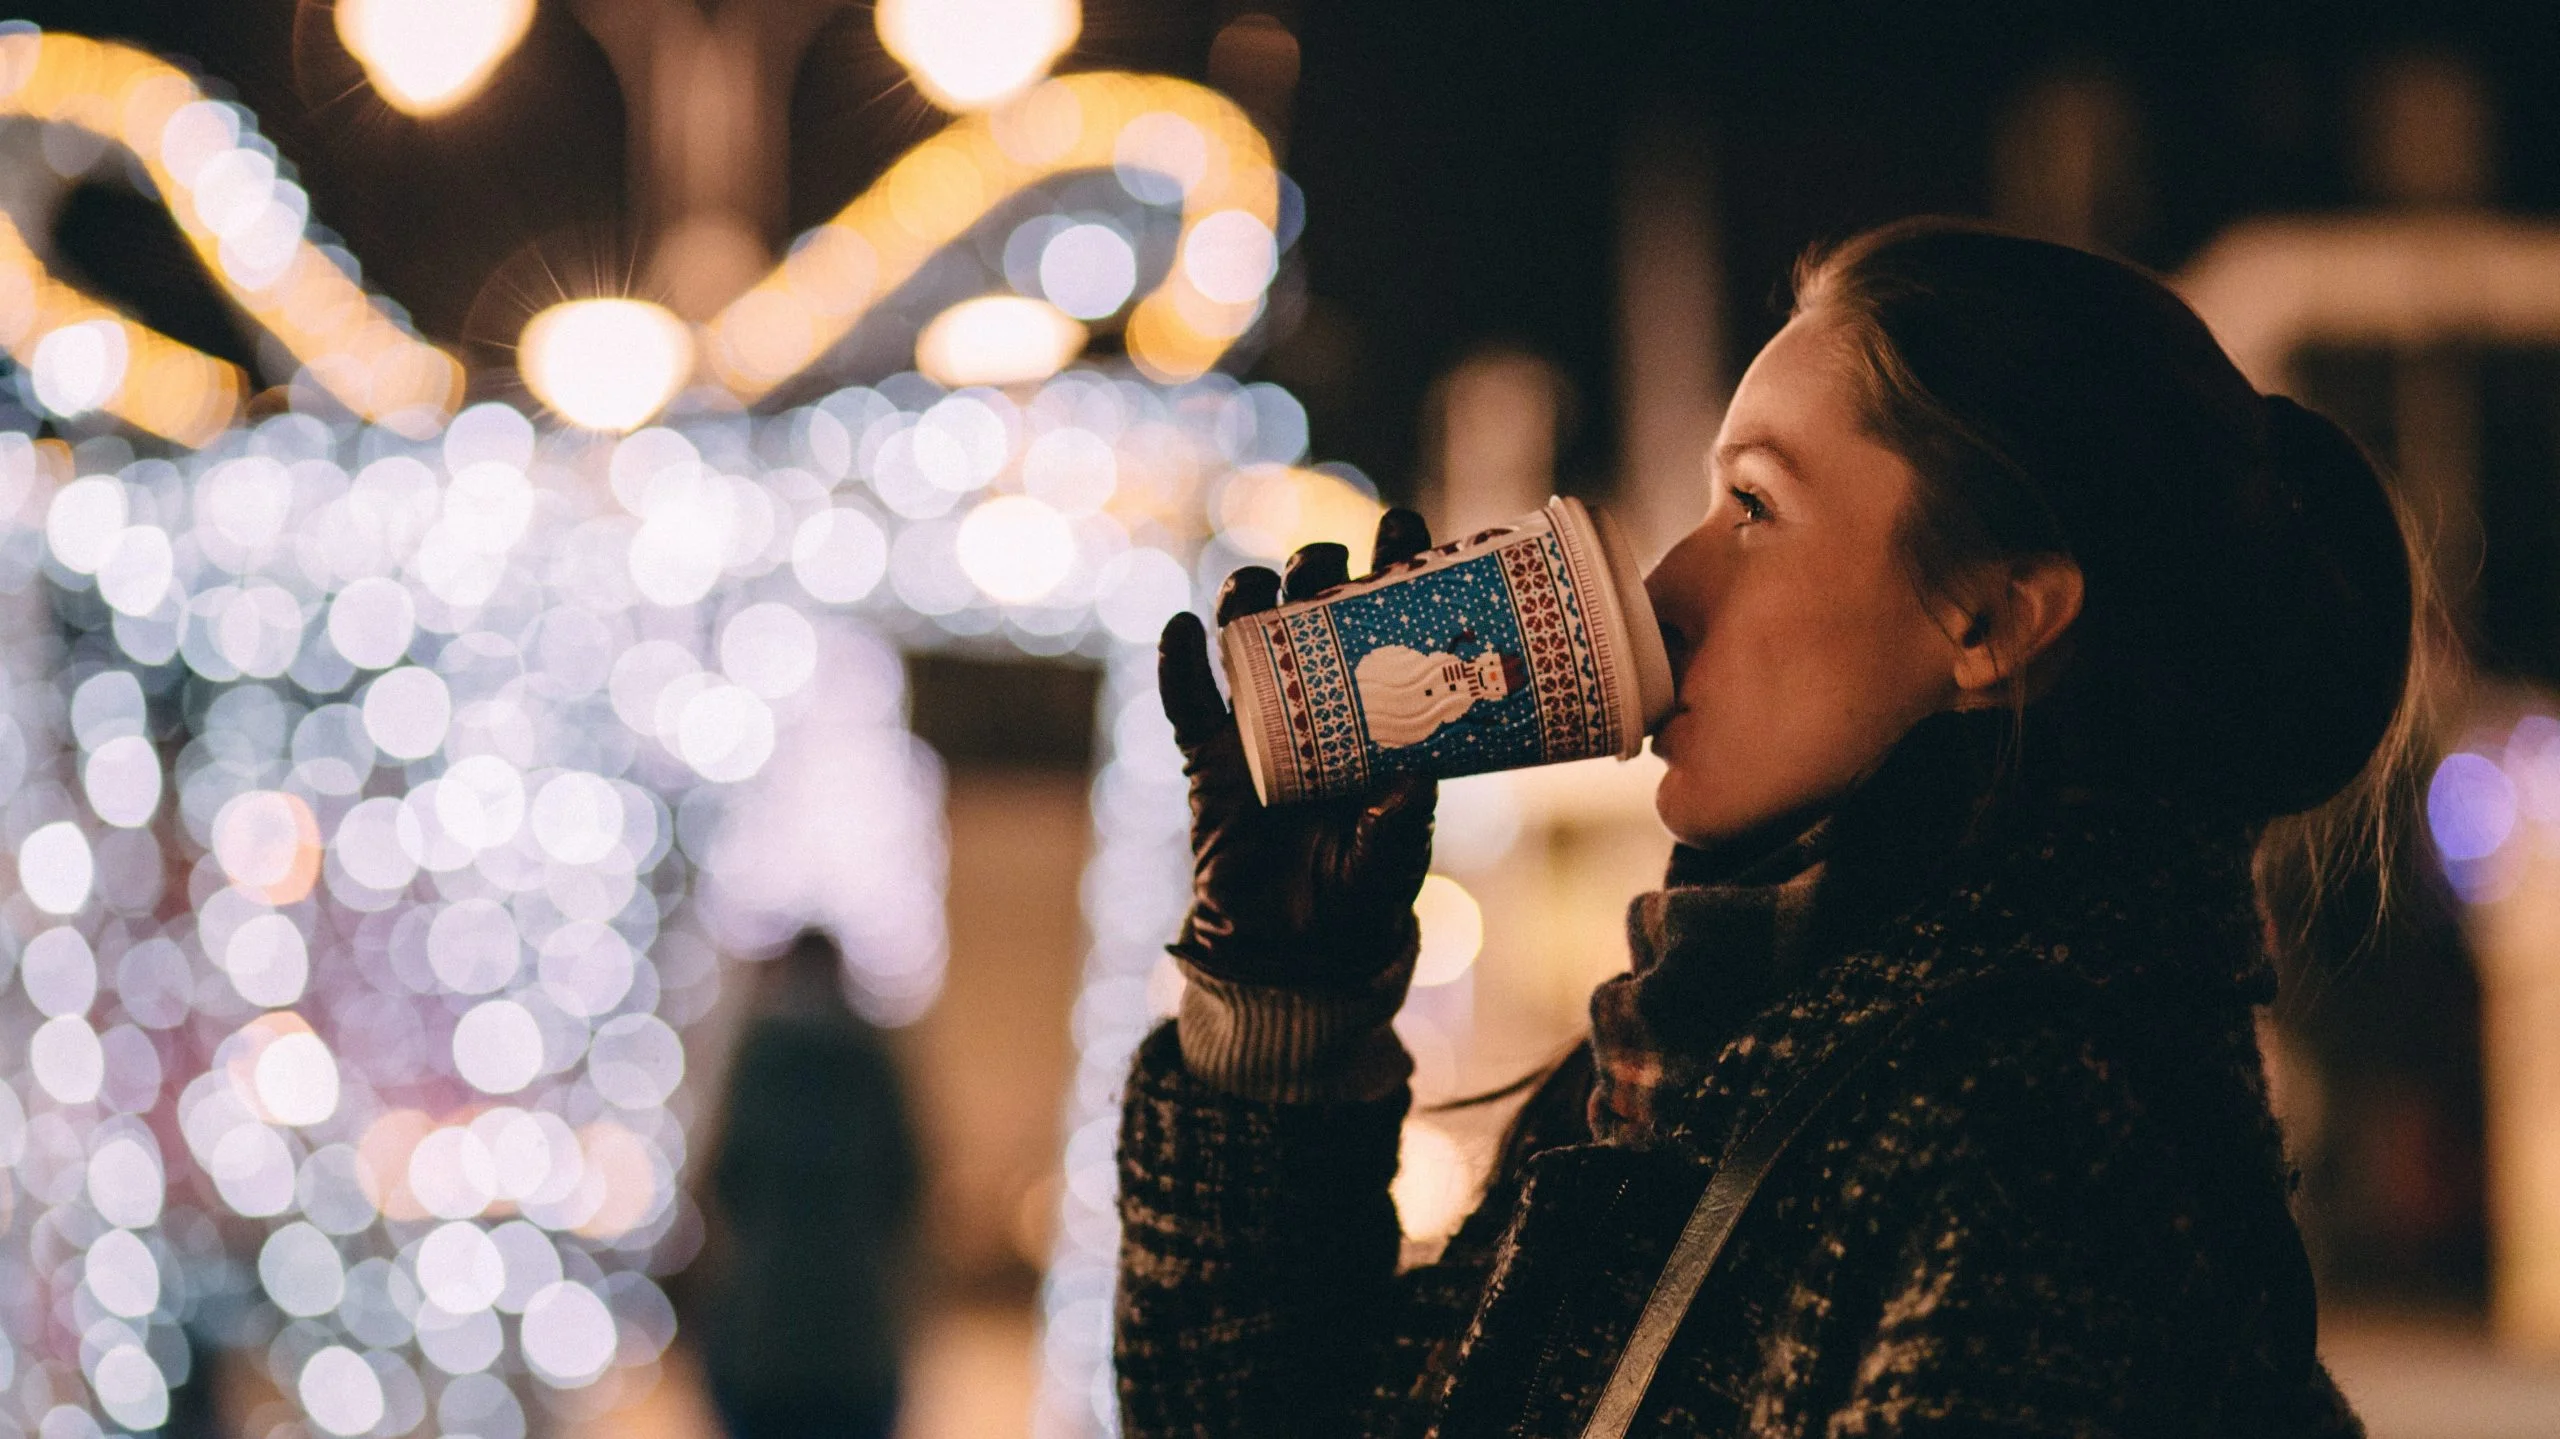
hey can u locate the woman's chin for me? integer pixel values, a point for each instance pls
(1679, 809)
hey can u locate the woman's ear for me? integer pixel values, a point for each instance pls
(2018, 620)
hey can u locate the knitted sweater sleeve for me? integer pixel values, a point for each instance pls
(1258, 1255)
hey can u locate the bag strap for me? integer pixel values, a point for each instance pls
(1712, 1223)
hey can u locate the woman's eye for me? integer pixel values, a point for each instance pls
(1754, 508)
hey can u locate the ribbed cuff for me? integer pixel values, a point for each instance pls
(1291, 1046)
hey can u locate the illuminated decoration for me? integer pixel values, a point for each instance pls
(386, 969)
(245, 220)
(465, 825)
(998, 340)
(85, 358)
(971, 54)
(605, 364)
(1170, 141)
(427, 56)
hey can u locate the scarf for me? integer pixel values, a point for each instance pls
(1939, 840)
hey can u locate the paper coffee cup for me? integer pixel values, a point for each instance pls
(1533, 643)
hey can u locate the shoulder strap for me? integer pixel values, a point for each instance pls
(1712, 1223)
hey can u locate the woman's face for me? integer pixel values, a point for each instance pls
(1801, 647)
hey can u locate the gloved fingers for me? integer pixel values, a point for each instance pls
(1212, 749)
(1314, 569)
(1183, 682)
(1394, 830)
(1402, 534)
(1250, 590)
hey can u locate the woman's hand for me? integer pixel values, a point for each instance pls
(1311, 895)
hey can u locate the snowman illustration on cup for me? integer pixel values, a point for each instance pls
(1408, 695)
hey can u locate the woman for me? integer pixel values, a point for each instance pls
(2015, 616)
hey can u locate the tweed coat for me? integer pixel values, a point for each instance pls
(2057, 1207)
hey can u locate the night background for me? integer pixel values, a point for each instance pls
(1523, 248)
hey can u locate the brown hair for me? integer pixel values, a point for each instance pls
(2253, 624)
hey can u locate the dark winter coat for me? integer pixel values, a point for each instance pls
(2053, 1207)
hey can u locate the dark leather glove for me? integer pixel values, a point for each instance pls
(1313, 895)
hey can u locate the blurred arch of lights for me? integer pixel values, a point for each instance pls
(1175, 141)
(469, 717)
(248, 224)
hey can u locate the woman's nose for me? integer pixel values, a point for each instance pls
(1678, 588)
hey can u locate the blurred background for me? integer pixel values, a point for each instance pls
(577, 583)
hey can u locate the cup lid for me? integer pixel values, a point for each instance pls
(1655, 684)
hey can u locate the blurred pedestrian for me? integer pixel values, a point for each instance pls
(1932, 1102)
(814, 1187)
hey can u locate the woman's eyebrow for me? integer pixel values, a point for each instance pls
(1732, 450)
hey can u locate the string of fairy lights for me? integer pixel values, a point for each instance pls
(383, 776)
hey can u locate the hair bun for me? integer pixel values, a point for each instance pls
(2329, 648)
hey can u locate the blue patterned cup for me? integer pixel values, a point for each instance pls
(1529, 644)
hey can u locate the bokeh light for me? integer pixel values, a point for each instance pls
(970, 54)
(2471, 806)
(1015, 548)
(1231, 257)
(1268, 511)
(1433, 1180)
(998, 340)
(427, 56)
(1089, 270)
(55, 868)
(605, 364)
(1452, 930)
(80, 367)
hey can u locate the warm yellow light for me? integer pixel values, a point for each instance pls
(1452, 930)
(427, 56)
(973, 54)
(246, 226)
(1269, 510)
(998, 340)
(1172, 132)
(605, 364)
(82, 357)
